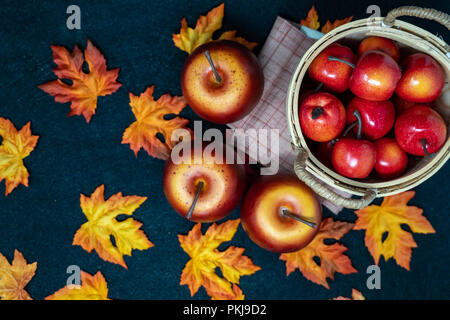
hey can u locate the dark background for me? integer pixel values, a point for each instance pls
(74, 157)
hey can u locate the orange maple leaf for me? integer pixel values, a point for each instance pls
(16, 146)
(150, 120)
(205, 258)
(188, 39)
(85, 87)
(231, 35)
(102, 224)
(91, 288)
(332, 258)
(330, 26)
(312, 19)
(14, 277)
(388, 218)
(356, 295)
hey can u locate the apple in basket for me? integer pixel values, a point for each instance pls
(280, 213)
(420, 130)
(391, 160)
(203, 187)
(379, 43)
(222, 81)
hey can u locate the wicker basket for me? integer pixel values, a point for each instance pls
(410, 39)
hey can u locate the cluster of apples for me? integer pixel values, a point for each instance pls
(279, 213)
(389, 114)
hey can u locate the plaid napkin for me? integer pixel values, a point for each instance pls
(279, 58)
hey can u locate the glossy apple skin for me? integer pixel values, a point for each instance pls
(224, 186)
(422, 80)
(261, 219)
(417, 123)
(329, 124)
(239, 91)
(353, 158)
(375, 76)
(391, 160)
(333, 74)
(377, 117)
(379, 43)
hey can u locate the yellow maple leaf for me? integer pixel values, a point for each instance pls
(311, 20)
(330, 26)
(332, 257)
(85, 87)
(356, 295)
(102, 224)
(16, 146)
(91, 288)
(231, 35)
(205, 258)
(14, 277)
(388, 218)
(150, 120)
(188, 39)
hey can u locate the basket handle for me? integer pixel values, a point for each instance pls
(424, 13)
(323, 191)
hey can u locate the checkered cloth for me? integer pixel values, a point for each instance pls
(279, 58)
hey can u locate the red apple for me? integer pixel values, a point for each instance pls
(379, 43)
(422, 80)
(322, 116)
(377, 117)
(420, 130)
(375, 76)
(333, 74)
(229, 97)
(391, 160)
(353, 158)
(220, 186)
(269, 210)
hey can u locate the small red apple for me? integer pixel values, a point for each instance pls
(272, 210)
(391, 160)
(353, 158)
(375, 76)
(219, 186)
(420, 130)
(377, 117)
(322, 116)
(379, 43)
(333, 74)
(235, 91)
(422, 80)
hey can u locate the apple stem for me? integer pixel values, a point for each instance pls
(350, 127)
(358, 117)
(331, 58)
(316, 112)
(286, 213)
(191, 209)
(319, 86)
(216, 74)
(424, 146)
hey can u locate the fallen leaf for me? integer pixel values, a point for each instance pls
(231, 35)
(102, 224)
(330, 26)
(14, 277)
(388, 218)
(188, 39)
(205, 258)
(356, 295)
(91, 288)
(85, 87)
(16, 146)
(150, 120)
(332, 257)
(312, 19)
